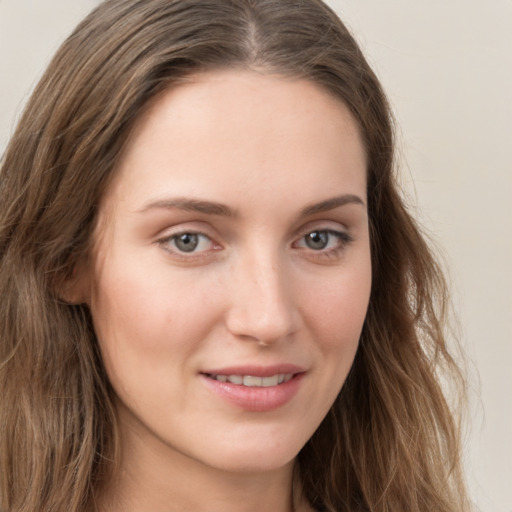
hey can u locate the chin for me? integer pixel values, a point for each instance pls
(253, 464)
(255, 454)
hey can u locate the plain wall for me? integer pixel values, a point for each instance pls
(447, 68)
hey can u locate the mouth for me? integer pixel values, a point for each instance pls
(253, 380)
(255, 388)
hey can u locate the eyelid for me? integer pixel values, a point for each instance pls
(340, 234)
(334, 229)
(321, 224)
(344, 239)
(165, 240)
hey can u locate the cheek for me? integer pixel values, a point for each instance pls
(142, 311)
(335, 313)
(337, 307)
(146, 331)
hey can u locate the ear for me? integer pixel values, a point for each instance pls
(75, 289)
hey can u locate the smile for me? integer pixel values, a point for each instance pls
(253, 381)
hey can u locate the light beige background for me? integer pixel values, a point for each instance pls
(447, 67)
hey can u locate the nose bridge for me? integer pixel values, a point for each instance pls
(262, 307)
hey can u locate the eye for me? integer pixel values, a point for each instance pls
(317, 240)
(324, 240)
(187, 242)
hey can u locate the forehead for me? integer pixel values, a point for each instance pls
(241, 128)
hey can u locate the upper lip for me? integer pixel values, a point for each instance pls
(256, 370)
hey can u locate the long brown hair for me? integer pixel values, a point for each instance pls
(389, 443)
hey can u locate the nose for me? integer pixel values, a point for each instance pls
(262, 306)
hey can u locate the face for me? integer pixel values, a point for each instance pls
(231, 271)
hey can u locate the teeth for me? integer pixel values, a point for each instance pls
(270, 381)
(252, 381)
(249, 380)
(235, 379)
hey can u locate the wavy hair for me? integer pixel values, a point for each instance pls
(389, 443)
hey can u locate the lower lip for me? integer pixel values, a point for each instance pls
(256, 398)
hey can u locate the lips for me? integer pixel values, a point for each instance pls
(255, 388)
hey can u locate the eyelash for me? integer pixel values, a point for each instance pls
(166, 243)
(343, 240)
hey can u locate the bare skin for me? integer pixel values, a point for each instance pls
(230, 280)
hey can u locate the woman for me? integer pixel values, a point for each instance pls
(213, 296)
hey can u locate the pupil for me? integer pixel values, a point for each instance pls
(317, 240)
(187, 242)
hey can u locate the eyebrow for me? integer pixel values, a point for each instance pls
(214, 208)
(331, 204)
(192, 205)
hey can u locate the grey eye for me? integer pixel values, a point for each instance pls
(317, 240)
(186, 242)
